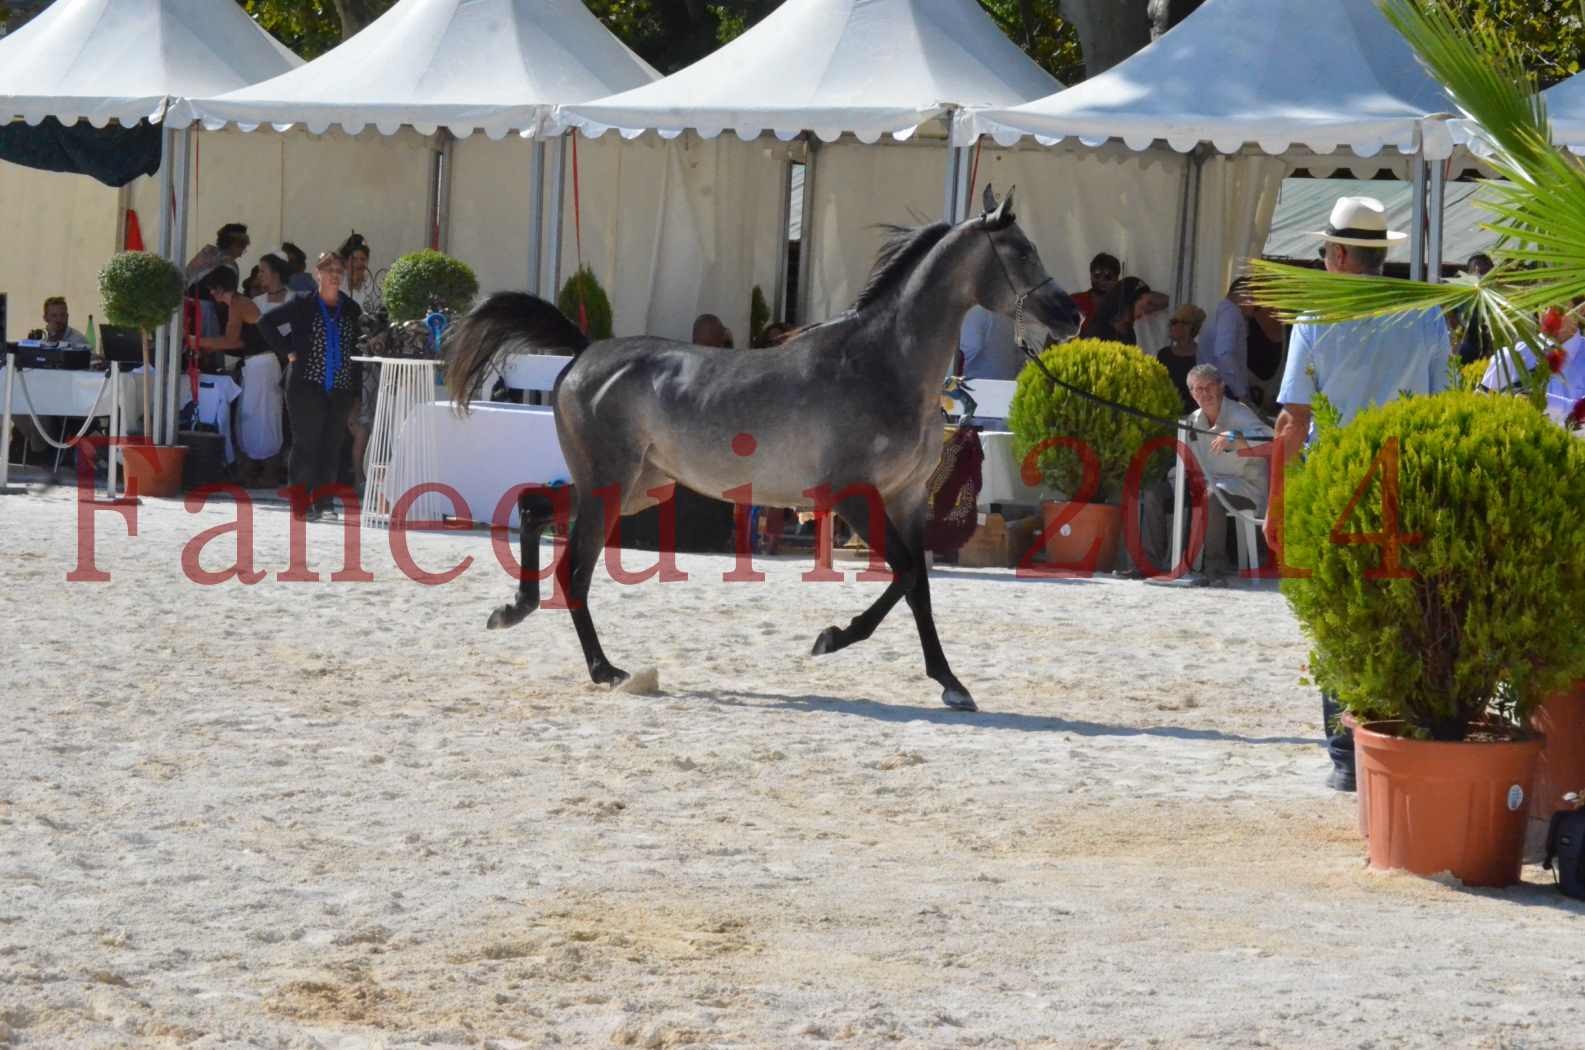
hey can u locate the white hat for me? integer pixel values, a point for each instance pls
(1360, 221)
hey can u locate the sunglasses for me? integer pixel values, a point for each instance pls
(1102, 275)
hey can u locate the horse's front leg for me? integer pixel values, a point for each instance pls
(953, 693)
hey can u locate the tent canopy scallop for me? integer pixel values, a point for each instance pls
(122, 60)
(861, 67)
(493, 65)
(1273, 73)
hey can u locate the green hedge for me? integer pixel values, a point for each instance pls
(1491, 623)
(584, 286)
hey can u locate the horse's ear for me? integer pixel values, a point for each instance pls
(989, 199)
(1004, 211)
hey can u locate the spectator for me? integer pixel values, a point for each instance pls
(1565, 386)
(319, 334)
(298, 282)
(361, 285)
(1476, 342)
(709, 331)
(1356, 364)
(231, 243)
(1241, 478)
(986, 343)
(1115, 316)
(1225, 340)
(273, 272)
(1179, 355)
(1105, 271)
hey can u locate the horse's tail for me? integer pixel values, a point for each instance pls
(504, 321)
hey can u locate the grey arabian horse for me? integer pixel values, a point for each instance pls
(845, 417)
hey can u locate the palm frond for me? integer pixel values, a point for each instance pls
(1296, 292)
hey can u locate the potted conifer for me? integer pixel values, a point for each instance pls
(1081, 450)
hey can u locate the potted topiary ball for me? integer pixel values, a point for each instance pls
(585, 302)
(141, 290)
(1434, 544)
(1060, 437)
(420, 282)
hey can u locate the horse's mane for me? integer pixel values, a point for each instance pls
(904, 247)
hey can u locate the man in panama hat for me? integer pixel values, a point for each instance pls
(1356, 364)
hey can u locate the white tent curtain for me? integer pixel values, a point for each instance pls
(1072, 203)
(1238, 198)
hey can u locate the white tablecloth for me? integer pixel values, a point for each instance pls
(61, 392)
(215, 394)
(1001, 482)
(481, 455)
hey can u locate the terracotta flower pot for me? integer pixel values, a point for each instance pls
(1561, 767)
(153, 470)
(1437, 806)
(1085, 542)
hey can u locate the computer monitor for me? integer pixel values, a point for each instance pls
(120, 344)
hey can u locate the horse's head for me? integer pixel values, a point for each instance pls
(1012, 272)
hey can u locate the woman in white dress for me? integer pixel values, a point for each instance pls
(260, 423)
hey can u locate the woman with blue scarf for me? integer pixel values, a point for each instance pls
(319, 334)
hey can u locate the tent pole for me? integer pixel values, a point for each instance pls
(443, 188)
(162, 337)
(183, 181)
(1198, 185)
(558, 208)
(536, 211)
(1417, 219)
(783, 238)
(806, 245)
(1434, 218)
(1181, 291)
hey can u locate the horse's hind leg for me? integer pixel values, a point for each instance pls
(590, 530)
(536, 513)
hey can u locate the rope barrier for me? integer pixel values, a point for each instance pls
(22, 378)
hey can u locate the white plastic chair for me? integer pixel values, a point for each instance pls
(1248, 539)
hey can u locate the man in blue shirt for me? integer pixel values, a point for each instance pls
(1356, 364)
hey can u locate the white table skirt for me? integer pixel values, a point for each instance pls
(1000, 479)
(482, 455)
(63, 392)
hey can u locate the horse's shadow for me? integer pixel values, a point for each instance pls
(899, 713)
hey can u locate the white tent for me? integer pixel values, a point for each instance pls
(1287, 78)
(1565, 108)
(124, 60)
(841, 74)
(493, 65)
(832, 67)
(103, 61)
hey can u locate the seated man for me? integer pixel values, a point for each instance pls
(57, 327)
(1243, 479)
(1105, 272)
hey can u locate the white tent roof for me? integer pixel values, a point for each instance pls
(868, 67)
(1278, 73)
(496, 65)
(104, 60)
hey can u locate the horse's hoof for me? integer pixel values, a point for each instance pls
(608, 675)
(958, 699)
(830, 641)
(507, 616)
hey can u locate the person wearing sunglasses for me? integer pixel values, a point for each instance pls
(1105, 272)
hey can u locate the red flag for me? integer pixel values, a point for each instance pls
(134, 238)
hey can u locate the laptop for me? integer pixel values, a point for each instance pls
(120, 344)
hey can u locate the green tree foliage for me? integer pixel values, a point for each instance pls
(1548, 35)
(140, 290)
(419, 281)
(1042, 410)
(1491, 489)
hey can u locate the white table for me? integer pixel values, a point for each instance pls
(70, 393)
(482, 455)
(1000, 477)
